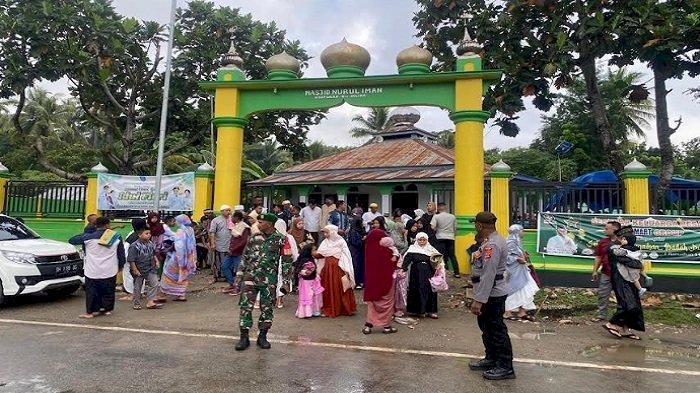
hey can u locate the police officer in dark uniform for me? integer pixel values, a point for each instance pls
(490, 292)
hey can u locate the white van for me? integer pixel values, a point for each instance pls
(30, 264)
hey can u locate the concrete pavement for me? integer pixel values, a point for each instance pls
(188, 347)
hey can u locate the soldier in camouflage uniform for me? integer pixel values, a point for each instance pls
(489, 303)
(258, 272)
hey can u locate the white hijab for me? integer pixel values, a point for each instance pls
(334, 246)
(428, 249)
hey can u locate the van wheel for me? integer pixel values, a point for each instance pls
(65, 291)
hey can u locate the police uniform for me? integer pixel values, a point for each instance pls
(491, 290)
(258, 272)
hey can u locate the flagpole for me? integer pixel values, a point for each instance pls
(164, 107)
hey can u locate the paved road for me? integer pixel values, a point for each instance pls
(188, 347)
(56, 359)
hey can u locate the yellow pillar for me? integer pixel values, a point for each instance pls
(229, 147)
(636, 181)
(500, 195)
(469, 156)
(4, 175)
(91, 191)
(203, 189)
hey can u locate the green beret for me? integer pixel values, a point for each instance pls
(269, 217)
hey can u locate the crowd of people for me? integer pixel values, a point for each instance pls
(325, 253)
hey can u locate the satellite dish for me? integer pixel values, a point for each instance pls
(564, 148)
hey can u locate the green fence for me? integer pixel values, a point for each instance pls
(44, 199)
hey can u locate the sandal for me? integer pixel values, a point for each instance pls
(156, 306)
(631, 336)
(512, 318)
(528, 318)
(389, 330)
(366, 330)
(86, 316)
(612, 330)
(433, 316)
(180, 299)
(137, 307)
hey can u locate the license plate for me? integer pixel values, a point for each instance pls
(67, 270)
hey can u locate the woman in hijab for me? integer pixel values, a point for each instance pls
(337, 275)
(521, 286)
(420, 258)
(181, 262)
(629, 314)
(397, 230)
(301, 236)
(356, 244)
(380, 264)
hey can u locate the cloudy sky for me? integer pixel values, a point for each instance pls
(384, 28)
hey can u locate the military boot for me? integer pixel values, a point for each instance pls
(499, 373)
(262, 340)
(244, 341)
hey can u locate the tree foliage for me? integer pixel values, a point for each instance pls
(373, 122)
(540, 45)
(114, 68)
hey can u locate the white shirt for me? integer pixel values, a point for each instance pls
(368, 217)
(311, 218)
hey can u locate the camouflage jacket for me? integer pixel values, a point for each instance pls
(261, 257)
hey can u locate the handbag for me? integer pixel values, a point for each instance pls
(438, 283)
(345, 280)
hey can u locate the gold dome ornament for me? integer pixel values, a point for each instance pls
(414, 60)
(345, 59)
(231, 63)
(282, 66)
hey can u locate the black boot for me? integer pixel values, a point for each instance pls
(244, 341)
(482, 364)
(262, 340)
(499, 373)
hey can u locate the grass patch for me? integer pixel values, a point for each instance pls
(573, 303)
(673, 314)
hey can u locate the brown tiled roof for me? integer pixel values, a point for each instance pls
(391, 160)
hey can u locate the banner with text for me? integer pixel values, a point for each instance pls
(661, 238)
(120, 192)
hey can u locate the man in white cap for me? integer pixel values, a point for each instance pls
(369, 216)
(219, 242)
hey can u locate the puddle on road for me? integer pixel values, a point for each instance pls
(635, 353)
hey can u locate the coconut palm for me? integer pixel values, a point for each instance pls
(268, 157)
(374, 121)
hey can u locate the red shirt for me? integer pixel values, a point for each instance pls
(602, 252)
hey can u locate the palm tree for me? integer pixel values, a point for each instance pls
(268, 158)
(633, 116)
(375, 121)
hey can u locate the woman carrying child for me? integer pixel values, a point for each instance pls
(629, 313)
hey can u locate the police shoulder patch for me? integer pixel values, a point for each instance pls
(488, 252)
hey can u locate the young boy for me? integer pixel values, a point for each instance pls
(144, 268)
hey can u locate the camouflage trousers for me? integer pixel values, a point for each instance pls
(249, 293)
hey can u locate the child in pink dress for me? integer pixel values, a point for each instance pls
(310, 289)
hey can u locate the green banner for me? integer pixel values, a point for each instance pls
(673, 239)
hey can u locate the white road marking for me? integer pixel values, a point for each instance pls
(359, 347)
